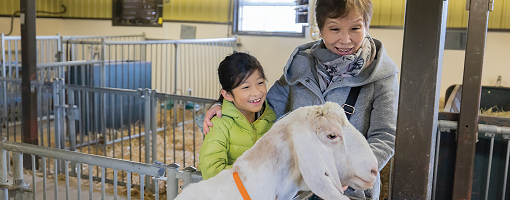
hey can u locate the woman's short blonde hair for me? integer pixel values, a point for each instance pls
(340, 8)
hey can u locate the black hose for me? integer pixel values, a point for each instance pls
(37, 11)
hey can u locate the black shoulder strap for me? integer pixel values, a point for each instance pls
(351, 101)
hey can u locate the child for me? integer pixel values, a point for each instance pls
(326, 70)
(246, 114)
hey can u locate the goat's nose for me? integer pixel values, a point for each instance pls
(374, 172)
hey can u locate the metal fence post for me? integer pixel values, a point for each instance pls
(146, 94)
(154, 132)
(176, 66)
(4, 194)
(56, 104)
(2, 37)
(186, 176)
(71, 115)
(19, 189)
(103, 57)
(172, 183)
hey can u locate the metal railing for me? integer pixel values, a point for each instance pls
(48, 50)
(77, 168)
(173, 66)
(491, 160)
(74, 162)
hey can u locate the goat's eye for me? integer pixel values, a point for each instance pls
(332, 136)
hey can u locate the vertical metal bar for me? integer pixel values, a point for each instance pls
(471, 86)
(436, 162)
(165, 113)
(44, 177)
(17, 171)
(184, 134)
(103, 64)
(491, 135)
(72, 120)
(176, 69)
(172, 181)
(66, 172)
(417, 73)
(4, 67)
(128, 185)
(28, 72)
(55, 177)
(17, 63)
(142, 177)
(115, 180)
(91, 182)
(507, 138)
(33, 178)
(153, 123)
(194, 145)
(147, 125)
(78, 175)
(103, 174)
(4, 194)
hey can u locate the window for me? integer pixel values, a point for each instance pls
(266, 17)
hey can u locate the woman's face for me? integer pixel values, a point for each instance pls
(344, 36)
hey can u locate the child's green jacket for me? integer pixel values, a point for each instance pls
(230, 136)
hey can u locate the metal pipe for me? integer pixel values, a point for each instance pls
(128, 185)
(83, 158)
(66, 172)
(482, 128)
(55, 177)
(91, 182)
(491, 135)
(4, 193)
(78, 172)
(44, 177)
(34, 195)
(68, 63)
(103, 174)
(507, 138)
(115, 180)
(17, 171)
(186, 41)
(103, 90)
(172, 183)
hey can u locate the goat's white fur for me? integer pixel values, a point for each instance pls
(313, 148)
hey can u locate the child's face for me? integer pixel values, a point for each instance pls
(250, 95)
(344, 36)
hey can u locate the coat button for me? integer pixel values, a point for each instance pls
(308, 80)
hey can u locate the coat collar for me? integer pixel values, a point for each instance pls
(228, 109)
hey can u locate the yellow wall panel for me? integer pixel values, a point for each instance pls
(397, 13)
(495, 15)
(196, 10)
(505, 17)
(385, 13)
(8, 7)
(376, 15)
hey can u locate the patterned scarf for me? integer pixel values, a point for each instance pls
(331, 66)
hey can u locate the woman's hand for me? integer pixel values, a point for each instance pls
(215, 110)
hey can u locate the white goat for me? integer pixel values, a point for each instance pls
(313, 148)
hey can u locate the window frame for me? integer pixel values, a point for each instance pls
(236, 31)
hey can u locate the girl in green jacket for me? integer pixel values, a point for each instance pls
(246, 115)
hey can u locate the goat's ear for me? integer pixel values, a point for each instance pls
(316, 163)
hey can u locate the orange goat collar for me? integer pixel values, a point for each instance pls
(240, 186)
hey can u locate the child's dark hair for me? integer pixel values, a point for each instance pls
(235, 69)
(340, 8)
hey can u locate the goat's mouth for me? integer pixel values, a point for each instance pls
(359, 183)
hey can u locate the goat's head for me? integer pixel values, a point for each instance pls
(330, 152)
